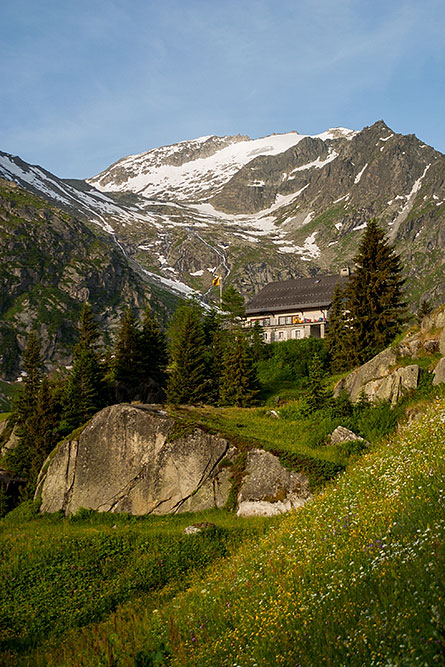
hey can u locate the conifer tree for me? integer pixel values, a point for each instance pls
(425, 309)
(259, 347)
(32, 366)
(215, 337)
(84, 392)
(338, 335)
(152, 348)
(125, 361)
(232, 304)
(374, 295)
(317, 393)
(19, 460)
(44, 426)
(239, 385)
(188, 381)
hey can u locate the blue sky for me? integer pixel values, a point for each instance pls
(85, 83)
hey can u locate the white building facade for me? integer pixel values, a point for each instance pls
(294, 309)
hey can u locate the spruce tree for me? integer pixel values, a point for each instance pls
(84, 392)
(233, 305)
(125, 361)
(317, 393)
(239, 385)
(151, 360)
(32, 366)
(152, 347)
(374, 295)
(256, 339)
(19, 460)
(338, 335)
(215, 337)
(188, 382)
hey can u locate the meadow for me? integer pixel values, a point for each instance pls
(355, 577)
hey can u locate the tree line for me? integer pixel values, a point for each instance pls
(206, 358)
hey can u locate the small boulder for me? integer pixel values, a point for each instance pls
(198, 527)
(439, 372)
(12, 441)
(268, 488)
(431, 345)
(342, 434)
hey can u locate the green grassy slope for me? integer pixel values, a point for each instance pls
(353, 578)
(57, 574)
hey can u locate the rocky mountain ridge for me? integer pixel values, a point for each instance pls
(51, 263)
(267, 209)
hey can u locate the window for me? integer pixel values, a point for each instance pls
(281, 335)
(297, 333)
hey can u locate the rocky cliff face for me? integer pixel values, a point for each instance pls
(137, 459)
(51, 263)
(386, 377)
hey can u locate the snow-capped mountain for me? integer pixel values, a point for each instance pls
(256, 210)
(195, 170)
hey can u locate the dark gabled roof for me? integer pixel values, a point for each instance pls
(296, 294)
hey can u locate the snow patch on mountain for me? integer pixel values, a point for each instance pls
(359, 175)
(153, 175)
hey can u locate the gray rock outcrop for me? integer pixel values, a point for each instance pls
(137, 459)
(12, 441)
(376, 368)
(268, 488)
(343, 434)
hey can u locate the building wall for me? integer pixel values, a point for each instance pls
(291, 325)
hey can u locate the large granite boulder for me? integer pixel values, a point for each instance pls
(133, 458)
(137, 459)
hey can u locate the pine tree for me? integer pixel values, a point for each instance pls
(126, 353)
(19, 460)
(374, 295)
(32, 366)
(151, 361)
(215, 337)
(152, 349)
(239, 385)
(44, 426)
(338, 335)
(425, 309)
(232, 304)
(317, 393)
(84, 392)
(259, 347)
(188, 381)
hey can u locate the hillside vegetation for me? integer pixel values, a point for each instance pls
(352, 578)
